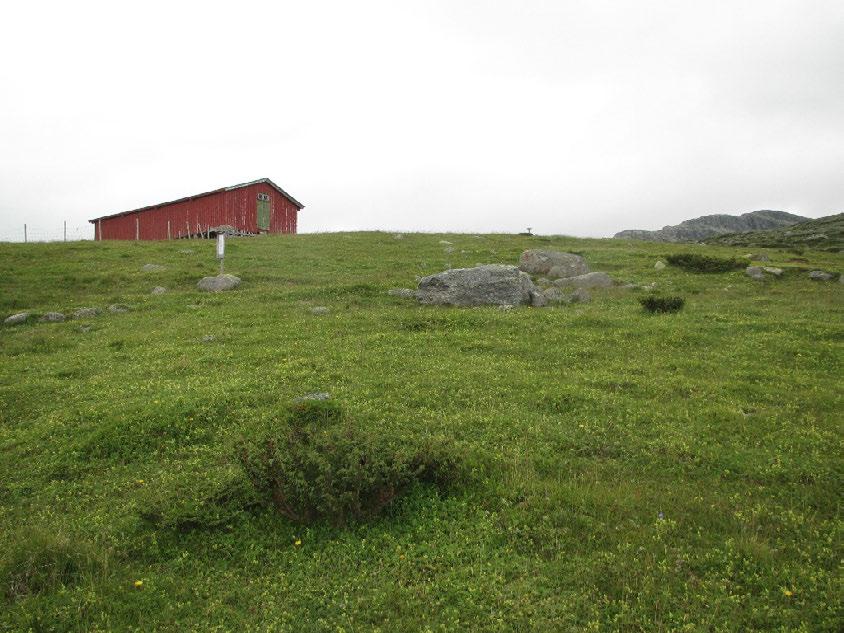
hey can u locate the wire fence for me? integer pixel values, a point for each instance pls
(62, 232)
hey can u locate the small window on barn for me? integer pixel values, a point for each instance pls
(264, 197)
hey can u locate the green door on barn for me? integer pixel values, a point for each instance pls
(263, 212)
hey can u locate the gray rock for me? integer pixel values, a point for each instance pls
(87, 313)
(581, 295)
(773, 270)
(159, 290)
(398, 236)
(820, 275)
(186, 251)
(52, 317)
(761, 257)
(755, 272)
(589, 280)
(552, 263)
(117, 308)
(153, 268)
(710, 225)
(445, 242)
(17, 319)
(208, 338)
(659, 265)
(555, 295)
(218, 283)
(319, 310)
(404, 293)
(505, 307)
(84, 328)
(538, 299)
(317, 395)
(494, 284)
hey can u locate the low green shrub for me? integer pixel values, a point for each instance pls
(696, 263)
(35, 561)
(199, 498)
(315, 463)
(656, 305)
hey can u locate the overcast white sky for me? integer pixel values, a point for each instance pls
(576, 117)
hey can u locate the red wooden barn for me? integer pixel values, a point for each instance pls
(260, 206)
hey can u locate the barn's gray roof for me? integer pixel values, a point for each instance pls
(298, 204)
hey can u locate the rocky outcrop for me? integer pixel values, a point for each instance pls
(708, 226)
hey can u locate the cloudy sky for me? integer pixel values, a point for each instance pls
(577, 117)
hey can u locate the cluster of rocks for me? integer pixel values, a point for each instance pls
(760, 273)
(564, 278)
(59, 317)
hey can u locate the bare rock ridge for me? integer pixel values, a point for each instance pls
(707, 226)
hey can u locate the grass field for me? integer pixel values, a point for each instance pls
(627, 471)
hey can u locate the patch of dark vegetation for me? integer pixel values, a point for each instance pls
(314, 463)
(662, 305)
(36, 561)
(697, 263)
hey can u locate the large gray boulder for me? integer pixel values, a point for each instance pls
(17, 319)
(218, 283)
(755, 272)
(492, 284)
(589, 280)
(552, 263)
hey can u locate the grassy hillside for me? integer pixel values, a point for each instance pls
(626, 471)
(824, 233)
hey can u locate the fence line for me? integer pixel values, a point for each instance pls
(62, 232)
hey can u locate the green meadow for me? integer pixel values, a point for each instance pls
(623, 471)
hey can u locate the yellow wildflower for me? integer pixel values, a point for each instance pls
(787, 593)
(139, 584)
(298, 541)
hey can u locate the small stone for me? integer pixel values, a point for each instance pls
(208, 338)
(772, 270)
(153, 268)
(398, 236)
(86, 313)
(317, 395)
(581, 295)
(186, 251)
(820, 275)
(17, 319)
(404, 293)
(84, 328)
(505, 307)
(445, 242)
(52, 317)
(117, 308)
(659, 265)
(319, 310)
(219, 283)
(159, 290)
(754, 272)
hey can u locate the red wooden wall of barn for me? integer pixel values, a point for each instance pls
(236, 207)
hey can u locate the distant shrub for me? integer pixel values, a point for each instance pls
(656, 305)
(314, 463)
(38, 561)
(696, 263)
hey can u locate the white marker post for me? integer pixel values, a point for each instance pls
(221, 249)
